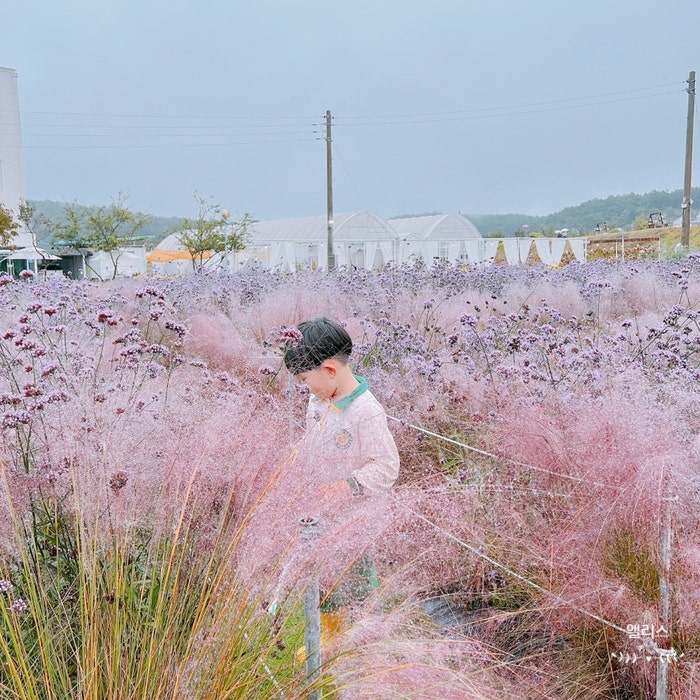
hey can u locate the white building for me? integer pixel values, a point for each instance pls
(360, 239)
(440, 236)
(364, 240)
(130, 262)
(12, 190)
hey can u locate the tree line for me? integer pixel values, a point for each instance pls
(628, 211)
(113, 228)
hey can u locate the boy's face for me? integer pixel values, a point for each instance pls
(321, 380)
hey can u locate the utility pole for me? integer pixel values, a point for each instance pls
(329, 191)
(312, 616)
(687, 201)
(662, 663)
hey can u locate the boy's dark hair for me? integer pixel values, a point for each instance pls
(321, 340)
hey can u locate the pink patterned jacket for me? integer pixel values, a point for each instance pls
(350, 439)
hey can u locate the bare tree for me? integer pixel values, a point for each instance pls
(212, 232)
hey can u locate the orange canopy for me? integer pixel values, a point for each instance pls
(162, 256)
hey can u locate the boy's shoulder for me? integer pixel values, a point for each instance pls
(365, 403)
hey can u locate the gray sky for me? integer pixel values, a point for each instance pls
(479, 107)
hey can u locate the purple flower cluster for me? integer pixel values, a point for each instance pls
(18, 605)
(56, 342)
(289, 336)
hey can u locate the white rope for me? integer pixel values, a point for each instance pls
(495, 488)
(514, 574)
(485, 557)
(500, 458)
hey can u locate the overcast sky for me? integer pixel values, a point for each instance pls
(472, 106)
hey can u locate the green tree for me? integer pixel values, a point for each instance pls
(8, 226)
(212, 232)
(69, 229)
(108, 229)
(640, 223)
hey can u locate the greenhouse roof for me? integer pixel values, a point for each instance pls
(171, 243)
(363, 226)
(439, 227)
(358, 226)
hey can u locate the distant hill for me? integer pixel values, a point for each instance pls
(618, 211)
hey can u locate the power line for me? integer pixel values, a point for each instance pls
(347, 172)
(271, 130)
(163, 145)
(170, 116)
(528, 105)
(163, 135)
(470, 116)
(419, 117)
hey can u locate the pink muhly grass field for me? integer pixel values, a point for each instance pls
(544, 419)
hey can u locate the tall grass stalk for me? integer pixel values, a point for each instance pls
(114, 613)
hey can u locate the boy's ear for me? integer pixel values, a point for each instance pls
(330, 367)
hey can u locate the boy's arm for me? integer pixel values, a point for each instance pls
(379, 456)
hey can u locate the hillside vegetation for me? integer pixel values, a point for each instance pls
(618, 211)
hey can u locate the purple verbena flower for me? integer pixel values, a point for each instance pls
(19, 606)
(290, 336)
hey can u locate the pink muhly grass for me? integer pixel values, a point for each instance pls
(642, 292)
(604, 539)
(343, 533)
(424, 553)
(294, 302)
(215, 339)
(404, 654)
(566, 297)
(202, 434)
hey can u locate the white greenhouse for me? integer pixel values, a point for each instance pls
(364, 240)
(361, 240)
(440, 236)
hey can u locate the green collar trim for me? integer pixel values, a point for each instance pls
(342, 404)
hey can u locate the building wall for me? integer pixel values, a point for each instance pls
(11, 158)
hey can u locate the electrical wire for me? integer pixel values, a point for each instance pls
(350, 180)
(282, 123)
(528, 105)
(514, 574)
(223, 144)
(503, 113)
(531, 467)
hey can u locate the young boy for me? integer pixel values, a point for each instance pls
(347, 441)
(347, 458)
